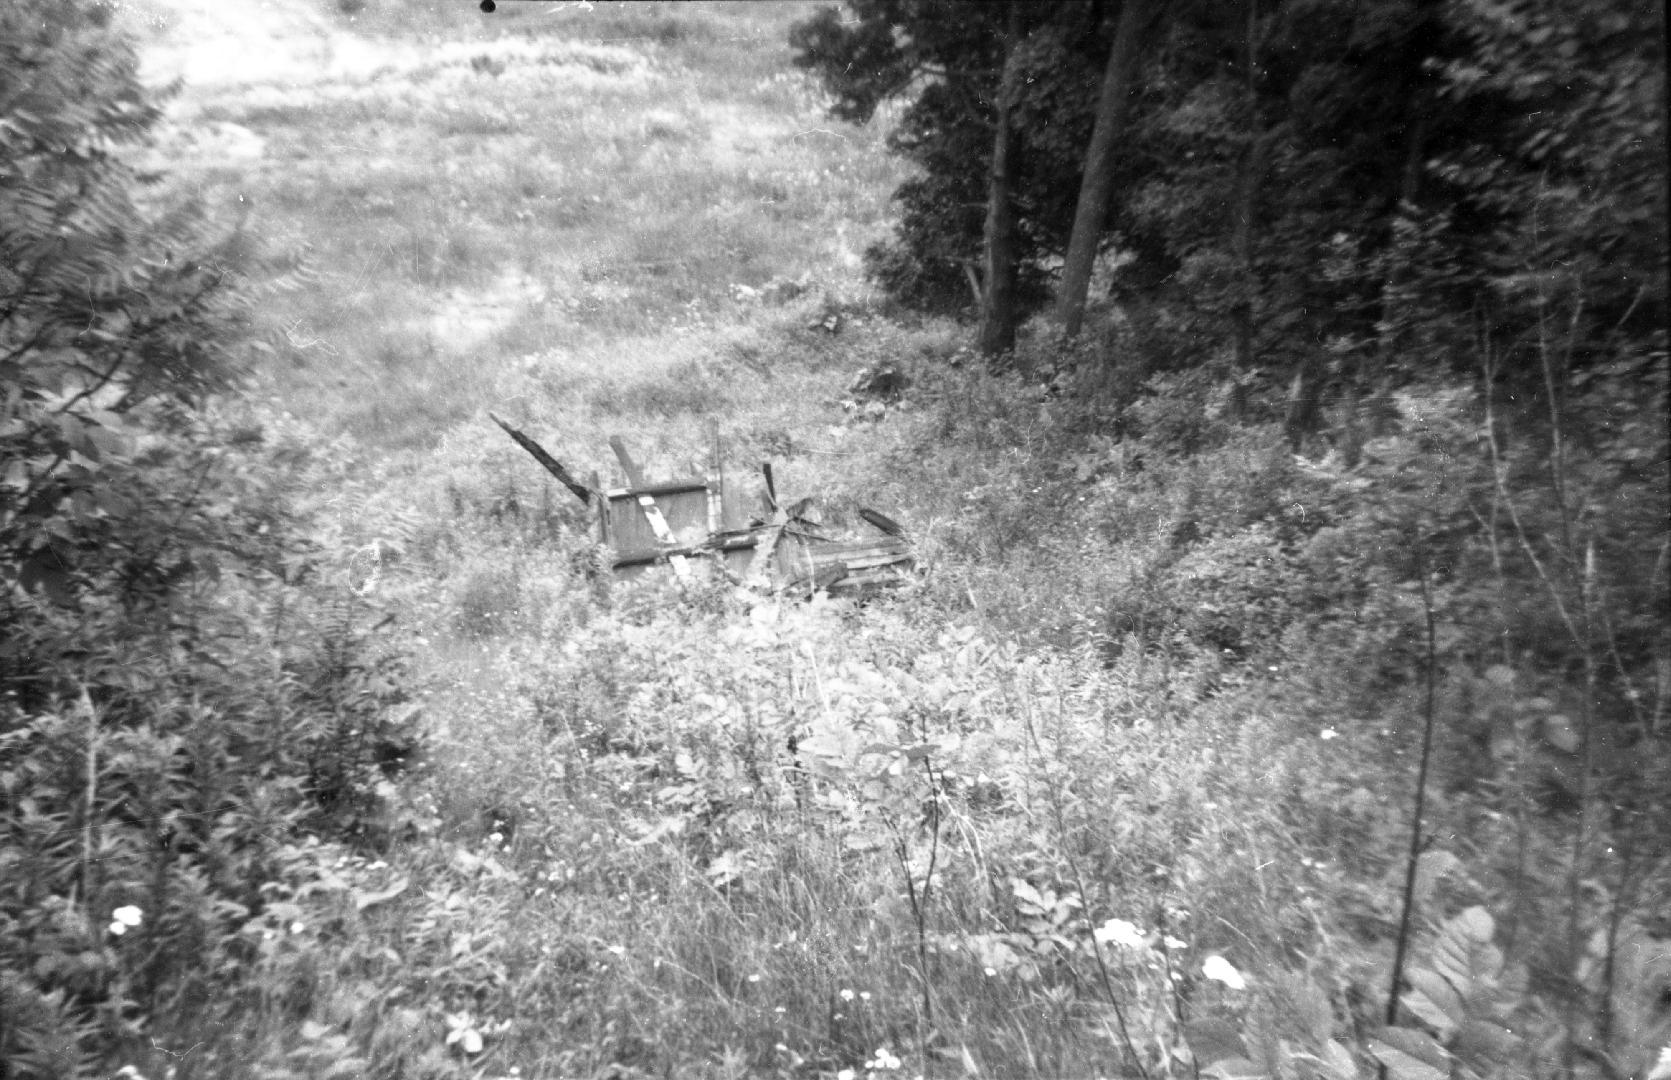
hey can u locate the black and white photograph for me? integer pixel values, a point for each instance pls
(835, 540)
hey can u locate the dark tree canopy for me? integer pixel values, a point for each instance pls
(1356, 189)
(947, 60)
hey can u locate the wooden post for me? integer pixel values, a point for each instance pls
(604, 536)
(716, 481)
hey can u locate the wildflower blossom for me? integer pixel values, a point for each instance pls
(884, 1059)
(463, 1032)
(124, 918)
(1120, 932)
(1218, 968)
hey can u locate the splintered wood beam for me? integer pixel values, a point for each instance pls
(882, 521)
(661, 487)
(552, 466)
(710, 547)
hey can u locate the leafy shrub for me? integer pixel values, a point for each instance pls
(184, 690)
(936, 287)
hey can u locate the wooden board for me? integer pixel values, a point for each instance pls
(865, 563)
(647, 523)
(651, 512)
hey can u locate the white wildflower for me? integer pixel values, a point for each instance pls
(1218, 968)
(884, 1059)
(1120, 932)
(125, 918)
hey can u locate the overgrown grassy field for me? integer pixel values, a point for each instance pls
(1100, 785)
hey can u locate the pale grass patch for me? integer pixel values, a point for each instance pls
(584, 194)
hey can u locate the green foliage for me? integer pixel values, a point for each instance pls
(1570, 181)
(1358, 193)
(181, 695)
(161, 752)
(946, 59)
(1118, 783)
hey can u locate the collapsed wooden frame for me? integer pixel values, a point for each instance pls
(671, 523)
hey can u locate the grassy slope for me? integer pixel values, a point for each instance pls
(615, 856)
(519, 204)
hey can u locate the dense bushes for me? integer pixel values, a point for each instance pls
(1529, 536)
(184, 689)
(1119, 783)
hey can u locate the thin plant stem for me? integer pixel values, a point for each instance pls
(1079, 885)
(89, 833)
(1408, 904)
(1581, 835)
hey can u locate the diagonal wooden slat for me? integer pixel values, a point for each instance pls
(552, 466)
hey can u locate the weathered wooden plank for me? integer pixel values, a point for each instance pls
(652, 512)
(551, 464)
(651, 554)
(859, 547)
(882, 521)
(661, 487)
(869, 563)
(680, 511)
(822, 578)
(605, 536)
(716, 479)
(635, 475)
(872, 581)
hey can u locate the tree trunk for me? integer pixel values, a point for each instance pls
(998, 315)
(1251, 170)
(1097, 183)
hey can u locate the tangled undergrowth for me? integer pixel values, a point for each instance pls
(322, 764)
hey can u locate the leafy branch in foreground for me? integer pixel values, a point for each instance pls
(182, 693)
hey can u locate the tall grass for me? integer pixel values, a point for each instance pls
(536, 185)
(671, 829)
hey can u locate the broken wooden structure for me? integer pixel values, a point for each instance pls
(656, 523)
